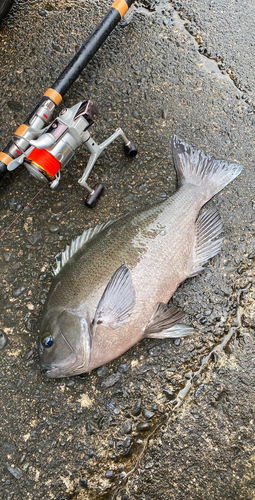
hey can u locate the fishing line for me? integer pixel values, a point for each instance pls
(16, 218)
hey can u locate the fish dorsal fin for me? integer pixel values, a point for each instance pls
(76, 244)
(117, 301)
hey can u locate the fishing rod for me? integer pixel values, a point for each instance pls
(44, 147)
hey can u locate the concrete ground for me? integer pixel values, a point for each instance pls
(168, 419)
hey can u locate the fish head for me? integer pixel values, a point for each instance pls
(64, 344)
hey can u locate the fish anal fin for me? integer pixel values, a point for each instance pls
(208, 227)
(118, 300)
(174, 332)
(164, 323)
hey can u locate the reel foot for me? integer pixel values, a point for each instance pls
(130, 149)
(94, 196)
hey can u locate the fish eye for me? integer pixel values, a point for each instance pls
(47, 340)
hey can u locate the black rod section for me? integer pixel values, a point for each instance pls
(77, 64)
(86, 52)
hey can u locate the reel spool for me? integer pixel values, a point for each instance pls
(42, 164)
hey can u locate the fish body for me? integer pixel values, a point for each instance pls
(114, 288)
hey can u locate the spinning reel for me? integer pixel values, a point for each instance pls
(44, 151)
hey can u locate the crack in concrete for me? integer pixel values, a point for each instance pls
(211, 64)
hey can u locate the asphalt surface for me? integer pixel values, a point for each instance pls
(167, 420)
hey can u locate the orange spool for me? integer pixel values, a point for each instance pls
(45, 161)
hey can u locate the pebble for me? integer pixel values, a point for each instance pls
(102, 371)
(137, 408)
(111, 380)
(35, 238)
(177, 342)
(143, 426)
(15, 106)
(16, 292)
(89, 429)
(7, 256)
(148, 414)
(126, 428)
(83, 482)
(169, 395)
(155, 351)
(124, 367)
(15, 471)
(127, 443)
(53, 228)
(251, 255)
(3, 340)
(108, 474)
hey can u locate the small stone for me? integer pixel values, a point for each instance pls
(241, 269)
(111, 380)
(15, 471)
(16, 292)
(164, 113)
(208, 312)
(143, 426)
(89, 429)
(137, 408)
(126, 428)
(155, 351)
(123, 368)
(203, 321)
(3, 340)
(83, 482)
(148, 414)
(53, 228)
(177, 342)
(102, 371)
(108, 474)
(166, 21)
(251, 255)
(15, 106)
(169, 395)
(127, 443)
(7, 256)
(35, 238)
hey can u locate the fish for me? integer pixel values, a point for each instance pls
(113, 284)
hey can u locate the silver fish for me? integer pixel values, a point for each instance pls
(113, 284)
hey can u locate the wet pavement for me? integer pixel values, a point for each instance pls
(168, 419)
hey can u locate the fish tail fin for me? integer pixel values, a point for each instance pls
(195, 167)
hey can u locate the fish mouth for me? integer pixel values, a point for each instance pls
(47, 371)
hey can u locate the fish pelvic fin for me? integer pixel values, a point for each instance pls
(118, 300)
(195, 167)
(208, 227)
(164, 323)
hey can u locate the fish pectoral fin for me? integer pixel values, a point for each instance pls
(164, 323)
(117, 301)
(208, 227)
